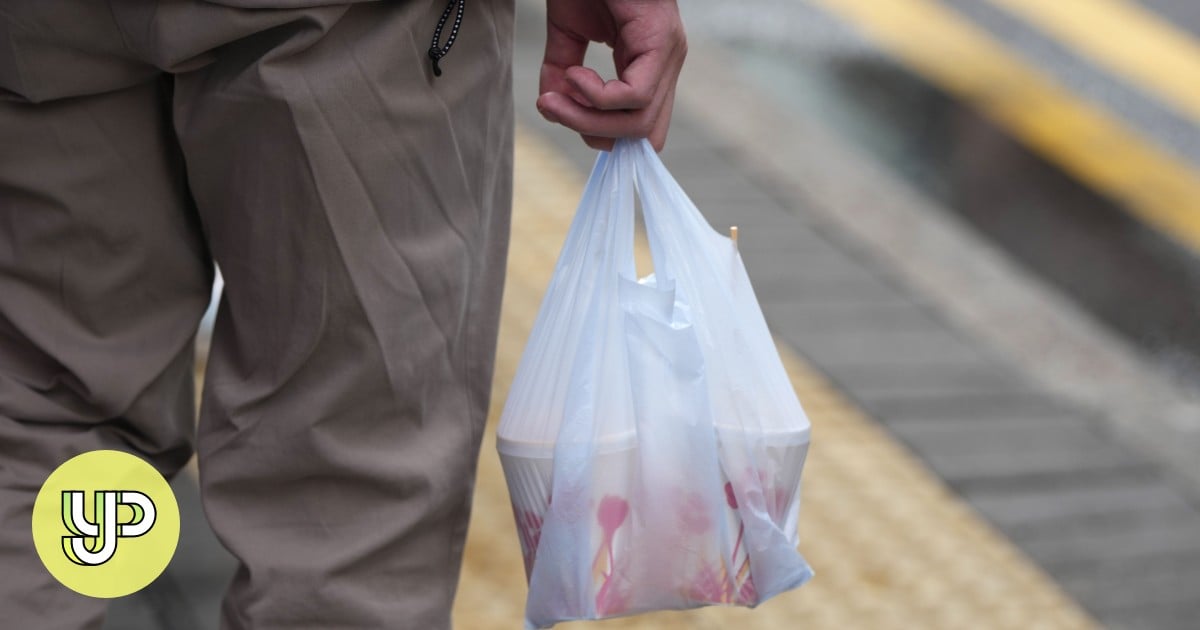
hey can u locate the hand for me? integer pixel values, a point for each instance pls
(648, 45)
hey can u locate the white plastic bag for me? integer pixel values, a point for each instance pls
(652, 442)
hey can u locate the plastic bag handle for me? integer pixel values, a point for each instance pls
(671, 227)
(657, 214)
(609, 232)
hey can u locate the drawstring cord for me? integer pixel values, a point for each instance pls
(435, 52)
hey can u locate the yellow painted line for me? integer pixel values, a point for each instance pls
(1128, 40)
(887, 539)
(1159, 188)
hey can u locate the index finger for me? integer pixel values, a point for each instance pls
(634, 88)
(563, 51)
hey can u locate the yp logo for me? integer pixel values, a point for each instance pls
(94, 542)
(105, 523)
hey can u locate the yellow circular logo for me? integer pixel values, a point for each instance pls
(105, 523)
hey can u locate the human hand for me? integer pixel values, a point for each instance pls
(648, 45)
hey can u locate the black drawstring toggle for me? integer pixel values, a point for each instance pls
(437, 52)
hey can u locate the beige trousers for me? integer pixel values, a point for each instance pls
(358, 208)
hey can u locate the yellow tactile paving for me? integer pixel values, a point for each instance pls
(1158, 187)
(1126, 38)
(891, 546)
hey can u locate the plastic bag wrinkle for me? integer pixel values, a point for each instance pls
(652, 442)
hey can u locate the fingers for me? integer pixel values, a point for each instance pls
(598, 143)
(649, 49)
(579, 112)
(658, 135)
(563, 50)
(635, 89)
(599, 129)
(562, 109)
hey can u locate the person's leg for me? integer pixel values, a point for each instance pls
(103, 278)
(358, 208)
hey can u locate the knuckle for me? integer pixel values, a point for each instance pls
(643, 96)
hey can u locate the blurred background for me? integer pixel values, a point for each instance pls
(974, 227)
